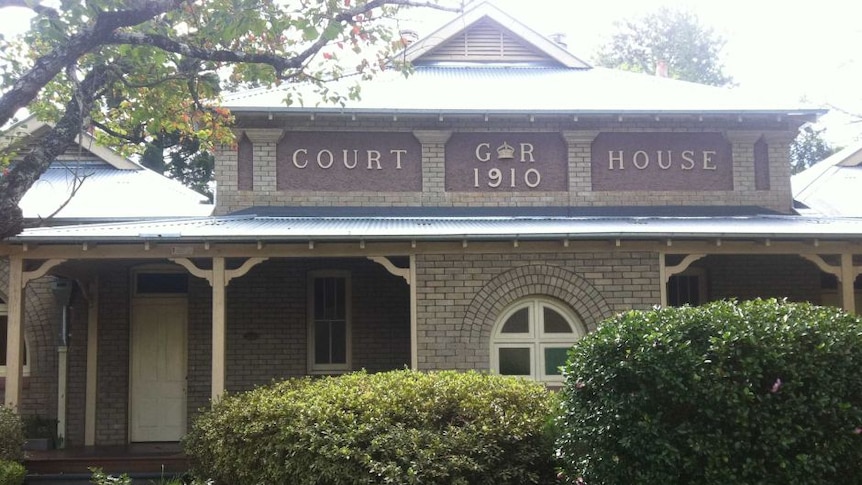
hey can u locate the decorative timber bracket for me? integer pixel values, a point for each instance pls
(682, 266)
(391, 268)
(229, 274)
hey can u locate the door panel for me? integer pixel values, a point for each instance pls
(158, 369)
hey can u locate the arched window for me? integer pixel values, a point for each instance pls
(532, 339)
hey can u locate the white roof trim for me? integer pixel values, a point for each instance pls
(480, 11)
(31, 126)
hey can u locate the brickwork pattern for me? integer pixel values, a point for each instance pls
(578, 136)
(113, 357)
(267, 333)
(461, 296)
(76, 383)
(41, 315)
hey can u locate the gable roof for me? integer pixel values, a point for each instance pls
(526, 74)
(484, 33)
(832, 186)
(34, 128)
(91, 183)
(523, 90)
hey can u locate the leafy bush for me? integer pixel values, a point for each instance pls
(12, 473)
(396, 427)
(11, 436)
(759, 392)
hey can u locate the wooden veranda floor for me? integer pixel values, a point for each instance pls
(138, 459)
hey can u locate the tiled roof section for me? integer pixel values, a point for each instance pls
(105, 192)
(299, 229)
(518, 89)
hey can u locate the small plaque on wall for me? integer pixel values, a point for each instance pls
(661, 162)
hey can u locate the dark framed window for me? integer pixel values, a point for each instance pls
(329, 322)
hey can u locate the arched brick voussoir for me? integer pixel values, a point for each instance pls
(531, 280)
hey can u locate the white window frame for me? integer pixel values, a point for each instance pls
(314, 368)
(4, 312)
(535, 338)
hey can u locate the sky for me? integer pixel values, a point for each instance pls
(791, 49)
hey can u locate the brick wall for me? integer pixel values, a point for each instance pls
(267, 330)
(41, 317)
(461, 296)
(113, 357)
(578, 135)
(77, 378)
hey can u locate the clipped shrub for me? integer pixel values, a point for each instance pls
(394, 427)
(11, 435)
(759, 392)
(12, 473)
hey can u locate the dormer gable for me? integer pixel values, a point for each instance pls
(485, 34)
(85, 146)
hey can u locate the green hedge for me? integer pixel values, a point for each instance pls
(12, 473)
(759, 392)
(400, 427)
(11, 436)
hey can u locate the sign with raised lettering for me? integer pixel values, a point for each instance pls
(661, 161)
(349, 162)
(506, 162)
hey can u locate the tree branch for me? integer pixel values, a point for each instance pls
(21, 175)
(25, 88)
(131, 138)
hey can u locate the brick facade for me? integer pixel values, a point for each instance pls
(41, 317)
(578, 135)
(461, 296)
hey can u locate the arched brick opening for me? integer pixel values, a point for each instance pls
(533, 280)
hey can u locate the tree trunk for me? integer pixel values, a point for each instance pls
(24, 172)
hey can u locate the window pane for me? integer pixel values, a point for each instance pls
(340, 285)
(555, 323)
(518, 322)
(339, 343)
(555, 357)
(683, 289)
(515, 362)
(329, 299)
(162, 283)
(319, 298)
(322, 337)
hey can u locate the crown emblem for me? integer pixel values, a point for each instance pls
(505, 152)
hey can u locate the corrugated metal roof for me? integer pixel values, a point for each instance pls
(832, 187)
(107, 192)
(460, 89)
(253, 228)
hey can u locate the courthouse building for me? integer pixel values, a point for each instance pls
(484, 213)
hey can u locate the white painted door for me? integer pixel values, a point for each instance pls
(158, 369)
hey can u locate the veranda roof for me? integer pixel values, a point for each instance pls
(251, 228)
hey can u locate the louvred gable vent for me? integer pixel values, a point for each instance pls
(485, 41)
